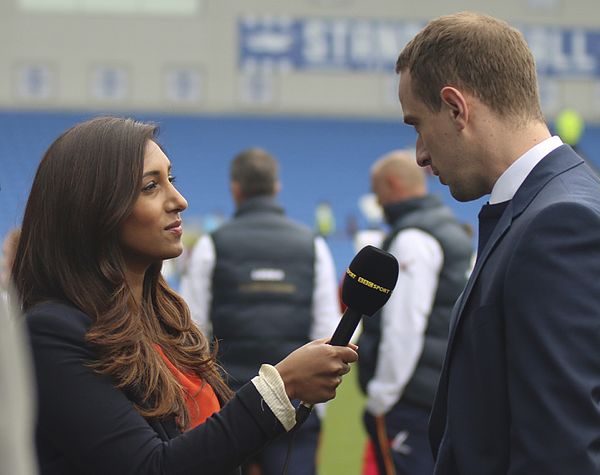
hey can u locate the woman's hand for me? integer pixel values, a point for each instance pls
(314, 371)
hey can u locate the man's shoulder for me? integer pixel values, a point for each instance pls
(298, 226)
(267, 219)
(576, 190)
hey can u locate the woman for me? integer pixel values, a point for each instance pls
(126, 382)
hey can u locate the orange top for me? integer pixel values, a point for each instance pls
(200, 399)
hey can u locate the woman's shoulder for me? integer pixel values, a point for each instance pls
(56, 316)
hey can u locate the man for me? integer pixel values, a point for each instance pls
(520, 388)
(402, 347)
(264, 285)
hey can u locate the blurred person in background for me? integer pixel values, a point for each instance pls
(402, 347)
(570, 127)
(263, 284)
(9, 248)
(325, 219)
(126, 382)
(520, 389)
(17, 408)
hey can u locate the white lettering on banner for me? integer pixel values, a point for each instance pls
(314, 42)
(339, 34)
(564, 52)
(581, 58)
(361, 43)
(353, 44)
(373, 45)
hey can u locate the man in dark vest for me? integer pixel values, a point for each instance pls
(402, 347)
(263, 285)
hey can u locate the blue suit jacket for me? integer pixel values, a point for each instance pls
(520, 388)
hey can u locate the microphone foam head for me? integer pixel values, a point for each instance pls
(369, 280)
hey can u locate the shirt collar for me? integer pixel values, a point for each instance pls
(513, 177)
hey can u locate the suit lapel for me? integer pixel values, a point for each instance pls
(501, 228)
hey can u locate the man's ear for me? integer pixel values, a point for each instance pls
(456, 104)
(392, 182)
(236, 192)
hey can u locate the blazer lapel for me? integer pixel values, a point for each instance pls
(502, 226)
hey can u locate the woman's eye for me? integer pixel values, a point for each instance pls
(172, 178)
(149, 187)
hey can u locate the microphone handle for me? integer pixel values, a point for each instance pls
(341, 337)
(346, 327)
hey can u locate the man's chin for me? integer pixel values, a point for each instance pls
(462, 195)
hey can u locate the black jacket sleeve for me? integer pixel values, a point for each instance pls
(87, 425)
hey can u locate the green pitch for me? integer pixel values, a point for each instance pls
(343, 436)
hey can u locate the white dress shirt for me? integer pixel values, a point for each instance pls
(513, 177)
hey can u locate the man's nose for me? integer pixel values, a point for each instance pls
(423, 158)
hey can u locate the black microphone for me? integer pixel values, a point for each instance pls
(368, 284)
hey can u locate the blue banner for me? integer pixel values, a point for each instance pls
(338, 44)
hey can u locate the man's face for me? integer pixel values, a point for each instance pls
(440, 144)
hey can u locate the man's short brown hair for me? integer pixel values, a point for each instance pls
(255, 170)
(477, 53)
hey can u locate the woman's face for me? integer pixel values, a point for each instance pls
(152, 232)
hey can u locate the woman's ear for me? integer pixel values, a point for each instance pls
(457, 105)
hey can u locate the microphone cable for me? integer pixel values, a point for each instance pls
(302, 413)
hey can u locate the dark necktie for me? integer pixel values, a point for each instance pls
(488, 219)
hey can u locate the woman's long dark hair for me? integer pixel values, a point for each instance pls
(86, 184)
